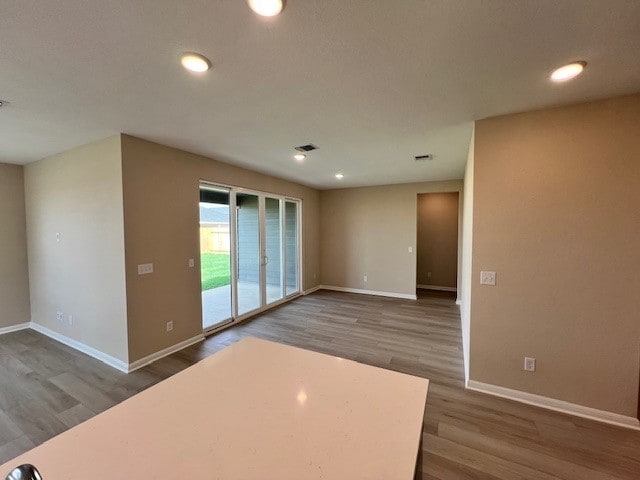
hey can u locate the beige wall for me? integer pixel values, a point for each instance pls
(368, 231)
(437, 239)
(464, 293)
(162, 227)
(79, 194)
(556, 213)
(14, 278)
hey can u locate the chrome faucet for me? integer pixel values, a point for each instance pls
(24, 472)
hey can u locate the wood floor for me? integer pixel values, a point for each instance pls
(46, 388)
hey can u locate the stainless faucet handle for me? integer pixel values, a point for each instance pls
(24, 472)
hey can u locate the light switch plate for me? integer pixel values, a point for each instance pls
(487, 278)
(192, 263)
(145, 268)
(529, 364)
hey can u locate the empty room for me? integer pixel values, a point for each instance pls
(337, 239)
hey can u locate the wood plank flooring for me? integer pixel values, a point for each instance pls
(46, 388)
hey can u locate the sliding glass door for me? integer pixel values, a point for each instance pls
(259, 257)
(273, 249)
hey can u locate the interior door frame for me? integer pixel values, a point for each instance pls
(233, 191)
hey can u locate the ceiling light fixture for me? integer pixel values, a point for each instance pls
(300, 156)
(339, 176)
(569, 71)
(194, 62)
(266, 8)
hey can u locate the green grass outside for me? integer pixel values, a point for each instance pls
(216, 270)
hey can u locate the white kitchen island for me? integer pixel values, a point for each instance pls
(255, 410)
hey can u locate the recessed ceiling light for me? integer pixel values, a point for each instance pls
(567, 72)
(339, 176)
(194, 62)
(300, 156)
(266, 8)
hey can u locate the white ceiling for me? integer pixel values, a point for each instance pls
(371, 82)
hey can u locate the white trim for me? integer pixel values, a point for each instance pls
(14, 328)
(218, 328)
(108, 359)
(264, 308)
(312, 289)
(210, 183)
(81, 347)
(458, 301)
(556, 405)
(369, 292)
(248, 315)
(164, 352)
(436, 287)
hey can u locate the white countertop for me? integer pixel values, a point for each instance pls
(255, 410)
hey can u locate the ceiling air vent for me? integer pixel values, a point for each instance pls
(306, 148)
(422, 158)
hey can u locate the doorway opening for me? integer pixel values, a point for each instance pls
(437, 245)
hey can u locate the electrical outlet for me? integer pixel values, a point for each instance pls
(410, 249)
(365, 278)
(529, 364)
(59, 316)
(145, 268)
(428, 274)
(57, 236)
(169, 326)
(487, 278)
(192, 263)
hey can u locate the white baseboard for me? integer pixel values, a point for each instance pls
(108, 359)
(14, 328)
(163, 353)
(311, 290)
(436, 287)
(369, 292)
(81, 347)
(556, 405)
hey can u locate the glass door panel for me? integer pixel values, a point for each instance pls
(273, 249)
(215, 257)
(248, 252)
(292, 254)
